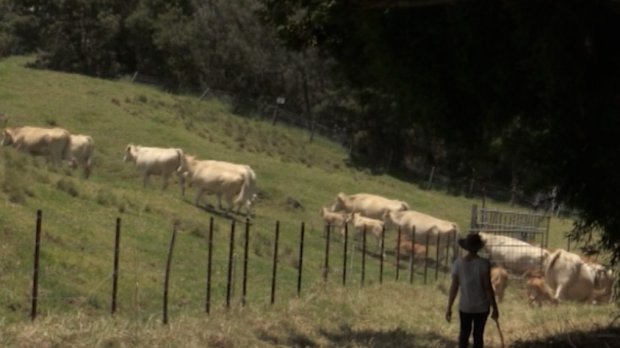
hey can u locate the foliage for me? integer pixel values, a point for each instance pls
(525, 91)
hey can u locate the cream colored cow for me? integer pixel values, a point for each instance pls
(513, 254)
(155, 161)
(368, 205)
(373, 226)
(248, 191)
(82, 149)
(572, 279)
(428, 229)
(52, 143)
(337, 220)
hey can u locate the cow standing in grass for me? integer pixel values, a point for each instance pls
(155, 161)
(51, 143)
(215, 177)
(368, 205)
(82, 148)
(337, 220)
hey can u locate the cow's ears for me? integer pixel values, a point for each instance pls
(341, 196)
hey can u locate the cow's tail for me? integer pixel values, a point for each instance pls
(88, 163)
(551, 262)
(180, 170)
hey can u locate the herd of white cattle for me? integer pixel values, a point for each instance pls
(552, 276)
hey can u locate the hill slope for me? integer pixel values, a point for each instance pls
(79, 215)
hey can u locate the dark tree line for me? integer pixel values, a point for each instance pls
(527, 91)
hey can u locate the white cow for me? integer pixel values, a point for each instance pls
(52, 143)
(155, 161)
(368, 205)
(572, 279)
(374, 226)
(513, 254)
(212, 178)
(82, 148)
(426, 227)
(338, 220)
(248, 191)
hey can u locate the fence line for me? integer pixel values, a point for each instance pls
(299, 264)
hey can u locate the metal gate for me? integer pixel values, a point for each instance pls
(522, 227)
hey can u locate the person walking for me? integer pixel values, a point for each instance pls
(471, 274)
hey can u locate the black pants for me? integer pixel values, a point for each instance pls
(478, 320)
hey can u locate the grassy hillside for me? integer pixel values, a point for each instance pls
(79, 215)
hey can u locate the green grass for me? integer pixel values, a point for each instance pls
(79, 215)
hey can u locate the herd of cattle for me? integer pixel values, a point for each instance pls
(550, 275)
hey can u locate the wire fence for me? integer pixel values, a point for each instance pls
(243, 264)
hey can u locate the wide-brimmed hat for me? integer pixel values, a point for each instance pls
(472, 242)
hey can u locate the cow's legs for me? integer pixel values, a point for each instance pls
(165, 179)
(559, 292)
(198, 195)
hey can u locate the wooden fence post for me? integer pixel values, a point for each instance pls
(35, 268)
(231, 250)
(167, 275)
(244, 289)
(429, 185)
(301, 257)
(209, 266)
(117, 240)
(275, 263)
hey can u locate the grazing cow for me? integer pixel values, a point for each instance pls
(52, 143)
(513, 254)
(537, 290)
(155, 161)
(82, 148)
(338, 220)
(499, 281)
(361, 224)
(248, 189)
(371, 206)
(212, 178)
(572, 279)
(428, 229)
(407, 247)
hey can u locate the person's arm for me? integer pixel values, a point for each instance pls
(454, 288)
(491, 293)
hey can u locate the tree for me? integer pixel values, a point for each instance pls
(530, 86)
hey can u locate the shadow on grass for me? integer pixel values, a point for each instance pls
(603, 337)
(347, 337)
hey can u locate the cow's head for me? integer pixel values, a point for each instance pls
(129, 153)
(7, 137)
(404, 206)
(339, 202)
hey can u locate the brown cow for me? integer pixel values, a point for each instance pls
(499, 281)
(537, 290)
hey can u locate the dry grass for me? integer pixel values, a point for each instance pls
(393, 315)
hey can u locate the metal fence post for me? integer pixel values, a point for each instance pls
(428, 235)
(398, 253)
(117, 240)
(344, 260)
(326, 265)
(437, 249)
(35, 268)
(167, 275)
(412, 256)
(275, 263)
(244, 289)
(381, 256)
(301, 257)
(363, 256)
(231, 250)
(209, 267)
